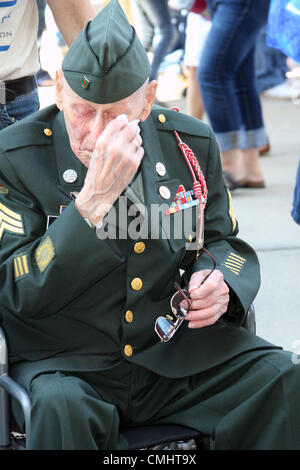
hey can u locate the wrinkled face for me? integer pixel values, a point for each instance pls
(85, 120)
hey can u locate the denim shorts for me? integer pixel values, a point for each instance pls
(227, 73)
(19, 108)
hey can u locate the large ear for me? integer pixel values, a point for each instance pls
(150, 94)
(59, 83)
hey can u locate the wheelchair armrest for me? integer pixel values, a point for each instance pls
(9, 387)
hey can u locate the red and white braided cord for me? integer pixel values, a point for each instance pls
(199, 185)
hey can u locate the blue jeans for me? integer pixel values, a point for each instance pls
(227, 73)
(296, 199)
(156, 14)
(19, 108)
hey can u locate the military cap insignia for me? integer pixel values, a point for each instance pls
(44, 254)
(10, 221)
(85, 82)
(234, 263)
(21, 267)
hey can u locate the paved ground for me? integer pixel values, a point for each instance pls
(265, 223)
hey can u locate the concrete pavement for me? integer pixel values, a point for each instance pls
(265, 223)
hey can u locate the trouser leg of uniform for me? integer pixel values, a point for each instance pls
(67, 413)
(249, 402)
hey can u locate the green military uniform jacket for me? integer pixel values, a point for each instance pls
(70, 301)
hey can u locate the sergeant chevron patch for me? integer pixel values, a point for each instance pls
(234, 262)
(10, 221)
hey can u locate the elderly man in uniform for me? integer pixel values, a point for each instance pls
(80, 306)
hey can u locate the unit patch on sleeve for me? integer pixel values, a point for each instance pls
(21, 266)
(44, 254)
(10, 221)
(234, 262)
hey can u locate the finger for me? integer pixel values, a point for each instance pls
(207, 318)
(137, 141)
(117, 131)
(197, 279)
(117, 153)
(211, 284)
(205, 313)
(203, 323)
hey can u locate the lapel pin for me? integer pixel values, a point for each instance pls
(70, 176)
(164, 192)
(160, 169)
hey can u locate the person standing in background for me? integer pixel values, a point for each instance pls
(227, 78)
(197, 29)
(150, 15)
(19, 50)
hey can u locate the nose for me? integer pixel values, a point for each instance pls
(97, 126)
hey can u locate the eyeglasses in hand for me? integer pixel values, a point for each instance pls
(166, 326)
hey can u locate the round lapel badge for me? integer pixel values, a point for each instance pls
(70, 176)
(164, 192)
(160, 169)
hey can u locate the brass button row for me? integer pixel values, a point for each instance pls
(136, 284)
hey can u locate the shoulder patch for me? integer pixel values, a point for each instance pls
(44, 254)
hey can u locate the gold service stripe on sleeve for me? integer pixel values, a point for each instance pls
(21, 266)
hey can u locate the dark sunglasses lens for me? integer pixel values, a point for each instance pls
(164, 328)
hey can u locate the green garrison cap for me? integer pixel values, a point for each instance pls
(106, 62)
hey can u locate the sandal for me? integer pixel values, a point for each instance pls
(232, 184)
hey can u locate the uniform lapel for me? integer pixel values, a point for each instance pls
(66, 161)
(152, 181)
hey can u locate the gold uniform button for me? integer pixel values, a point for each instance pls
(128, 350)
(139, 247)
(162, 118)
(48, 132)
(129, 316)
(137, 283)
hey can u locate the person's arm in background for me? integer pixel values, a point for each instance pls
(71, 16)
